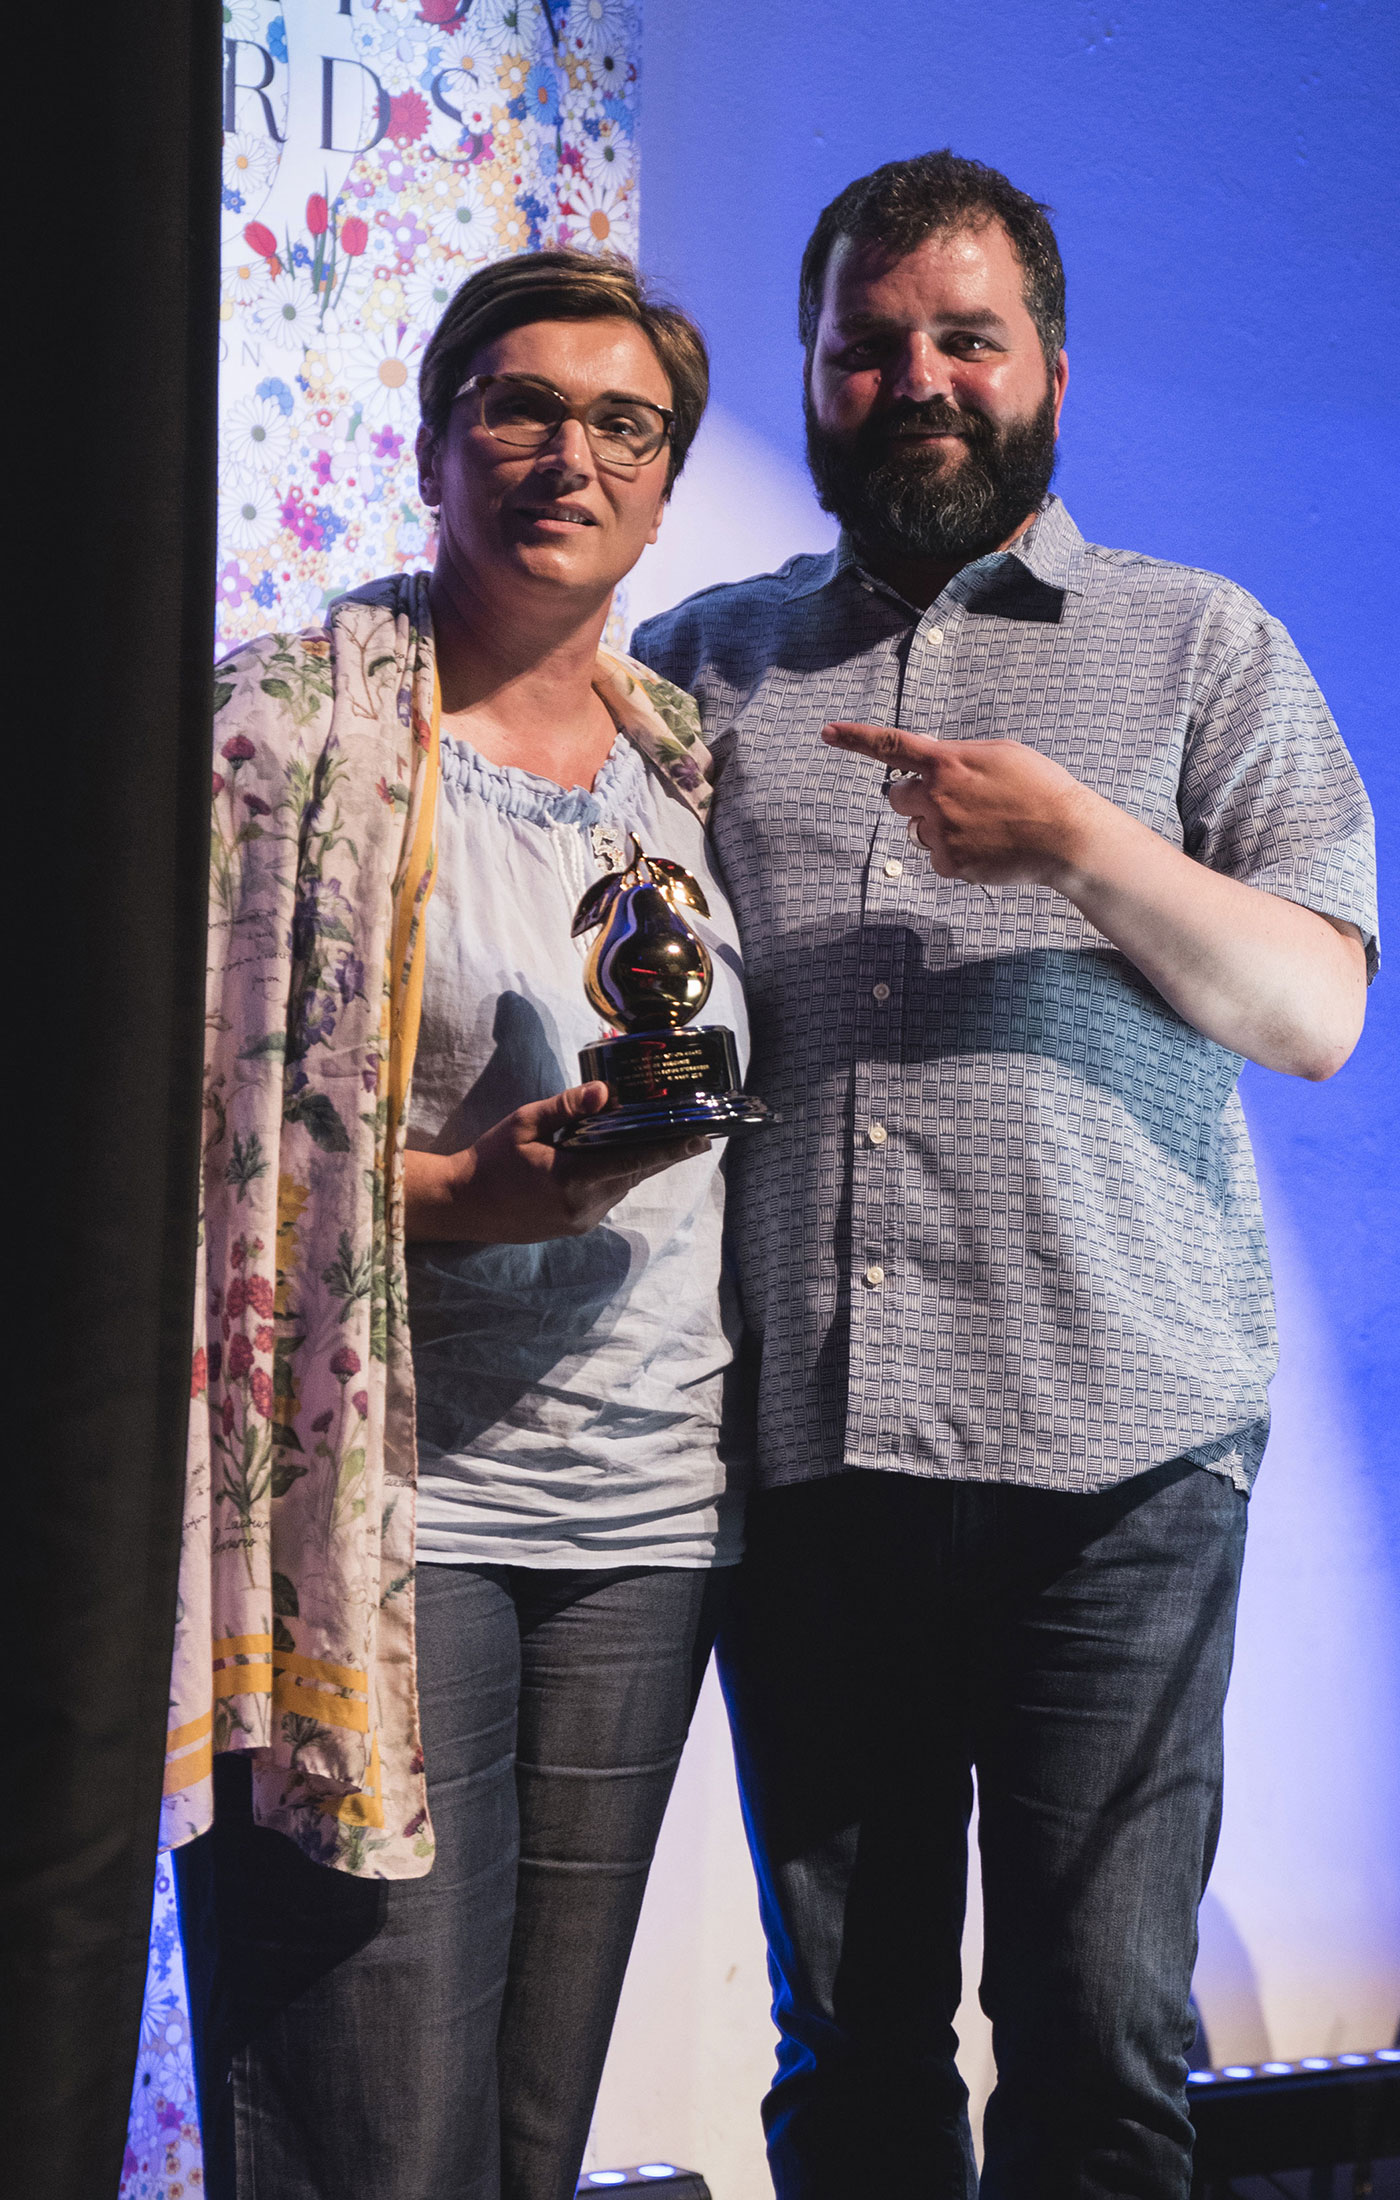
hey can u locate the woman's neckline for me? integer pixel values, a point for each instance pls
(522, 793)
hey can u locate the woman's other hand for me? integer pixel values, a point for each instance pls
(516, 1187)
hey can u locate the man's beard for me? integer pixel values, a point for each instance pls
(909, 502)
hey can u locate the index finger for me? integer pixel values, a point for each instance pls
(909, 752)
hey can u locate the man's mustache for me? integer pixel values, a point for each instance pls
(905, 417)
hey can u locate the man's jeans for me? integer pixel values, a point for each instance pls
(444, 2037)
(889, 1633)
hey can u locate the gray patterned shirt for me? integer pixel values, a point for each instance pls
(1008, 1229)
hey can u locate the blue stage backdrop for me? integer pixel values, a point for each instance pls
(1222, 180)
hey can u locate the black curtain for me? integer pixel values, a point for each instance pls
(112, 258)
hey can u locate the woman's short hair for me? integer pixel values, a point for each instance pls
(564, 286)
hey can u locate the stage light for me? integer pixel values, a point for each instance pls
(684, 2184)
(1351, 2059)
(1322, 2111)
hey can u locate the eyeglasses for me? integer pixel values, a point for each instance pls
(623, 432)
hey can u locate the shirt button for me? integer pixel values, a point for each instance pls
(876, 1134)
(879, 992)
(874, 1276)
(894, 868)
(935, 633)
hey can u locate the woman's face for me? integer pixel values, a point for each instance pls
(551, 519)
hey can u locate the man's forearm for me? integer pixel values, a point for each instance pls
(1258, 974)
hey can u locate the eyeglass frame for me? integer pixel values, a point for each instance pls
(476, 383)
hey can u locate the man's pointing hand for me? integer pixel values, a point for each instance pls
(993, 812)
(1249, 969)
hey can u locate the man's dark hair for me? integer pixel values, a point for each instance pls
(904, 202)
(564, 286)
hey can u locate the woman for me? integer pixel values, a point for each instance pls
(361, 2030)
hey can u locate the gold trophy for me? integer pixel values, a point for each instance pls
(649, 972)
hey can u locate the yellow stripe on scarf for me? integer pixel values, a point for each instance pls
(182, 1771)
(409, 947)
(194, 1730)
(185, 1771)
(310, 1702)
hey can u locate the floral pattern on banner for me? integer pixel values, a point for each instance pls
(481, 128)
(163, 2159)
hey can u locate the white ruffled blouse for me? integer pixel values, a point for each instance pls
(571, 1395)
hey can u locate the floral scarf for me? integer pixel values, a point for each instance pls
(295, 1626)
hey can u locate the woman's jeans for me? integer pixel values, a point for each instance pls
(443, 2038)
(888, 1634)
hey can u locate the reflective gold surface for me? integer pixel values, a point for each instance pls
(648, 970)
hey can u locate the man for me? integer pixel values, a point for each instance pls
(1004, 1257)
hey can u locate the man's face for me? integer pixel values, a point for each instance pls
(931, 417)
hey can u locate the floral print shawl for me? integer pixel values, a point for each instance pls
(295, 1629)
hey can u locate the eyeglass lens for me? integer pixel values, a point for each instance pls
(623, 431)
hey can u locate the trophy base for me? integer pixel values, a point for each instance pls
(665, 1085)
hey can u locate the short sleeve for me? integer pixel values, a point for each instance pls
(1269, 794)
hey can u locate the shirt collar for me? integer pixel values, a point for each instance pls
(1051, 551)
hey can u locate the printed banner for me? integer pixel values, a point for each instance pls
(375, 152)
